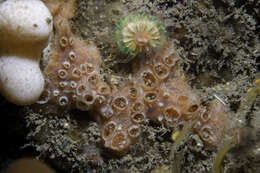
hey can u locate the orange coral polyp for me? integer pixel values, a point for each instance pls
(74, 68)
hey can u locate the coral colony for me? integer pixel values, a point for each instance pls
(156, 92)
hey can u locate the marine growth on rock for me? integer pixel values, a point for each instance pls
(139, 33)
(157, 91)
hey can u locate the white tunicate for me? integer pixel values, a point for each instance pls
(21, 80)
(25, 28)
(24, 20)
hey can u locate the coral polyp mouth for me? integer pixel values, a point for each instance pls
(139, 33)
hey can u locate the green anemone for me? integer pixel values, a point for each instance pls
(154, 28)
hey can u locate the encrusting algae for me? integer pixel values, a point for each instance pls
(157, 91)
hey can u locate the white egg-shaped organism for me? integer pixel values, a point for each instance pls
(21, 80)
(25, 28)
(24, 24)
(25, 19)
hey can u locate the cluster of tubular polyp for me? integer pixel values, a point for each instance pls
(73, 80)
